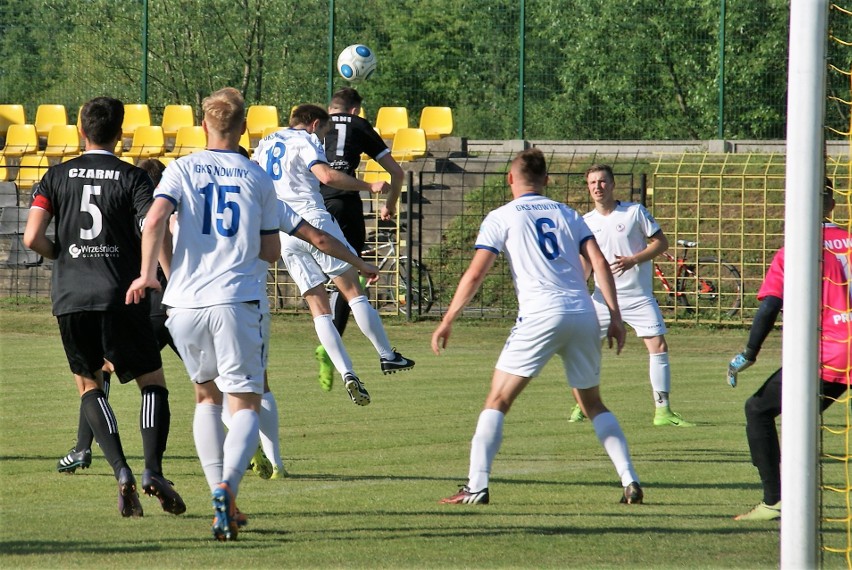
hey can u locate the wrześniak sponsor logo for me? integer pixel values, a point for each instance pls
(77, 251)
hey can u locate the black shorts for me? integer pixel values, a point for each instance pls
(164, 337)
(123, 336)
(349, 214)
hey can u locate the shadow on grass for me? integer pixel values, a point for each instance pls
(43, 547)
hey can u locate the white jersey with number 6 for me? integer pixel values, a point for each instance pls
(224, 202)
(541, 239)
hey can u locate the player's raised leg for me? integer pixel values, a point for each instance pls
(370, 323)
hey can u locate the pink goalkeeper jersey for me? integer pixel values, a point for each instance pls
(835, 341)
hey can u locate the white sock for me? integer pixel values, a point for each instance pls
(483, 447)
(240, 445)
(330, 340)
(370, 323)
(209, 435)
(269, 429)
(661, 378)
(226, 411)
(614, 443)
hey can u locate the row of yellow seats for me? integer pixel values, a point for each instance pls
(50, 115)
(435, 122)
(47, 115)
(64, 140)
(32, 167)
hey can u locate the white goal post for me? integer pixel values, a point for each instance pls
(803, 215)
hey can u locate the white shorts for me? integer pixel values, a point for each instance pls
(535, 339)
(642, 314)
(227, 343)
(308, 266)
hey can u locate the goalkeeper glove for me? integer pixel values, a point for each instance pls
(737, 365)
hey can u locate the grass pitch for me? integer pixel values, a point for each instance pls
(365, 482)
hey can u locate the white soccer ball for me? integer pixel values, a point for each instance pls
(356, 63)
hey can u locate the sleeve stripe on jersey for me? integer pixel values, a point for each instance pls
(299, 225)
(167, 197)
(488, 248)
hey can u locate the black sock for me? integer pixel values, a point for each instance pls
(105, 427)
(340, 311)
(84, 432)
(154, 420)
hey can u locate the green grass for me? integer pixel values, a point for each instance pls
(365, 481)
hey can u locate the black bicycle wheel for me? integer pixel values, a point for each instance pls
(421, 293)
(716, 286)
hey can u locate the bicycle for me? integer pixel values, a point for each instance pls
(710, 283)
(392, 286)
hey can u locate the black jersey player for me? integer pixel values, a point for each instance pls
(98, 201)
(350, 136)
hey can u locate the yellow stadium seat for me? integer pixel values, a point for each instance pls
(148, 142)
(390, 119)
(135, 115)
(5, 171)
(175, 117)
(187, 141)
(49, 115)
(374, 172)
(259, 117)
(408, 144)
(11, 115)
(437, 122)
(166, 160)
(63, 140)
(129, 159)
(20, 140)
(30, 170)
(269, 130)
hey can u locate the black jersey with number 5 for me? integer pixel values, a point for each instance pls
(348, 137)
(98, 202)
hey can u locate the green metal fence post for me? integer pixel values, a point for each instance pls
(521, 72)
(144, 51)
(721, 129)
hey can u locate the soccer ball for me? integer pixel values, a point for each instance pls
(356, 63)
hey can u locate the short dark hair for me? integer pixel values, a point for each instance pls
(346, 98)
(600, 168)
(532, 166)
(307, 114)
(153, 167)
(101, 119)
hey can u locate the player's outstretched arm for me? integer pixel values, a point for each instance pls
(332, 246)
(153, 234)
(761, 326)
(342, 181)
(469, 284)
(590, 250)
(389, 163)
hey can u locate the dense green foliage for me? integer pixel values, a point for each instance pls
(634, 69)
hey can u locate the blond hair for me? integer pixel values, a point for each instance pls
(224, 110)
